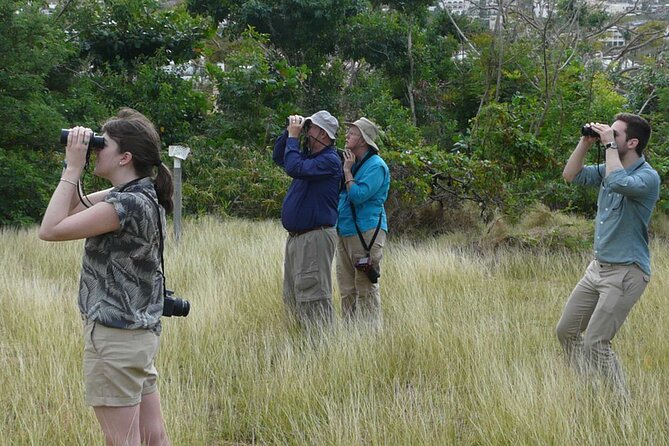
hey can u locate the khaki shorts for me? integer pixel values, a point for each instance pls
(118, 365)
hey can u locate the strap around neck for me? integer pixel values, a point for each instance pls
(357, 229)
(130, 183)
(160, 235)
(370, 153)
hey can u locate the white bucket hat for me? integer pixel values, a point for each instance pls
(368, 129)
(326, 121)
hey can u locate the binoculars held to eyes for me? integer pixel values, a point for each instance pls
(96, 142)
(300, 120)
(586, 130)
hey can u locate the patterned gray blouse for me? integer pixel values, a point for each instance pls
(121, 285)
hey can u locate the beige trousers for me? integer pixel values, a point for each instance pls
(598, 307)
(359, 297)
(307, 278)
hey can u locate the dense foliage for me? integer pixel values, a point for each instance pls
(470, 115)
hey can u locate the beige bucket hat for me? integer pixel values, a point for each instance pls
(326, 121)
(368, 129)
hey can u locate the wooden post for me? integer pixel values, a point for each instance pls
(179, 153)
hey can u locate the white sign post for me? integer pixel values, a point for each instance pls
(179, 153)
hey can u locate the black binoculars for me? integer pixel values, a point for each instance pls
(586, 130)
(96, 142)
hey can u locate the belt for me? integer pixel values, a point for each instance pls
(317, 228)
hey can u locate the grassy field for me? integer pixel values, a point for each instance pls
(467, 354)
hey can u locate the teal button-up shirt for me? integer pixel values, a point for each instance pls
(626, 201)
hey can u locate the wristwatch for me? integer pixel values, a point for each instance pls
(611, 145)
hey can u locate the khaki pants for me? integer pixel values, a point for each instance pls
(359, 297)
(598, 306)
(307, 278)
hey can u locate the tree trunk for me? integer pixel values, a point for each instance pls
(499, 29)
(410, 96)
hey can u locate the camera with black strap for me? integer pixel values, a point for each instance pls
(172, 306)
(365, 264)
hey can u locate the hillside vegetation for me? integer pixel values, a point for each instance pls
(470, 115)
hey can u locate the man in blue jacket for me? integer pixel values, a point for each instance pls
(362, 225)
(309, 214)
(614, 281)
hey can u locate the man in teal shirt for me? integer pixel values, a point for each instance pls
(617, 277)
(362, 225)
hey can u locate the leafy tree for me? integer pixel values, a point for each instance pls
(411, 14)
(258, 89)
(219, 10)
(469, 115)
(306, 31)
(31, 49)
(124, 33)
(174, 106)
(231, 171)
(449, 89)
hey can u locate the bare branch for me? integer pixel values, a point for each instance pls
(650, 98)
(460, 33)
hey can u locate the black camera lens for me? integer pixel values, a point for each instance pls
(373, 275)
(96, 142)
(173, 306)
(586, 130)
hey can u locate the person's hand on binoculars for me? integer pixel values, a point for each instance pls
(77, 146)
(295, 124)
(606, 134)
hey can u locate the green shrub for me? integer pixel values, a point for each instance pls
(28, 180)
(226, 178)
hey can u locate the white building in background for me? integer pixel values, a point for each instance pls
(485, 10)
(616, 7)
(193, 70)
(619, 8)
(49, 8)
(460, 7)
(613, 37)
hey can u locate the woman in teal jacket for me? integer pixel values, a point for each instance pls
(362, 224)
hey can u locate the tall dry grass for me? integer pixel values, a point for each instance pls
(467, 354)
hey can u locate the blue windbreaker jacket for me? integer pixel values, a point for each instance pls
(312, 197)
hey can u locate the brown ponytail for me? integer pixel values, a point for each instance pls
(164, 187)
(136, 134)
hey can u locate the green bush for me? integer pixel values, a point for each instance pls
(28, 180)
(175, 107)
(226, 178)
